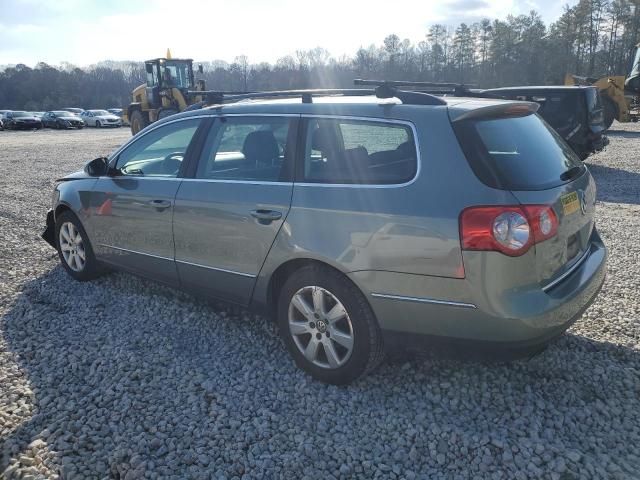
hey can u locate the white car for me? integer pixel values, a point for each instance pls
(101, 118)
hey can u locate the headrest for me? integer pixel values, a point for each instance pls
(260, 147)
(323, 140)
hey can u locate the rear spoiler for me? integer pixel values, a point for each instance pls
(500, 110)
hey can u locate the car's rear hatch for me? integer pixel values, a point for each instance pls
(516, 151)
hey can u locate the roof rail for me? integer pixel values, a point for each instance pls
(306, 94)
(381, 91)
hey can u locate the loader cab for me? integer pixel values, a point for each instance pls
(163, 73)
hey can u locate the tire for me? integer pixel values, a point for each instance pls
(98, 125)
(81, 271)
(138, 121)
(610, 112)
(356, 325)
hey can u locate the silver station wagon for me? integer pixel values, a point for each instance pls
(362, 220)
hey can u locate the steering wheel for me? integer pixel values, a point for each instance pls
(171, 163)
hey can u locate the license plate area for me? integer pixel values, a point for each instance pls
(570, 203)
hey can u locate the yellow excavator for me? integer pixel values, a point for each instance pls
(620, 95)
(170, 88)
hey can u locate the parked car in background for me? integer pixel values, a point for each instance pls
(101, 118)
(76, 111)
(38, 114)
(576, 113)
(19, 120)
(1, 124)
(62, 119)
(388, 219)
(118, 112)
(3, 113)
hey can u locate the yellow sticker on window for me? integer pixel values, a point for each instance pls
(570, 203)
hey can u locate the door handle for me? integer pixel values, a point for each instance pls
(160, 204)
(266, 216)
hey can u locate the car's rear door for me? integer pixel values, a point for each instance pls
(229, 212)
(132, 209)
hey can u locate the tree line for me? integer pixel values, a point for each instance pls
(592, 38)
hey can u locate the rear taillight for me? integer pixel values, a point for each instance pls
(511, 230)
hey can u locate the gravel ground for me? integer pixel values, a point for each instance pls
(122, 378)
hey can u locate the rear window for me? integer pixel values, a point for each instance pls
(516, 153)
(359, 152)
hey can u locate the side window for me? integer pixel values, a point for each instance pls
(160, 152)
(246, 148)
(359, 152)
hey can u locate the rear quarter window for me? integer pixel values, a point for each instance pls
(344, 151)
(516, 153)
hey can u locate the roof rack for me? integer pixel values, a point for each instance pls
(433, 88)
(458, 89)
(381, 91)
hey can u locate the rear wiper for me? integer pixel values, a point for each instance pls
(572, 172)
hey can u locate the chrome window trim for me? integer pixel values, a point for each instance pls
(249, 182)
(572, 269)
(406, 123)
(222, 114)
(142, 177)
(224, 270)
(298, 184)
(431, 301)
(248, 275)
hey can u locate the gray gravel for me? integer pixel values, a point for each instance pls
(122, 378)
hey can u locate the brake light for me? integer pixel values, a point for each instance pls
(511, 230)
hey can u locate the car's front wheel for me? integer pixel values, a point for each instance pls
(74, 249)
(98, 125)
(328, 326)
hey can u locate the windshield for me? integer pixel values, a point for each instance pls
(175, 74)
(62, 113)
(21, 114)
(522, 153)
(100, 112)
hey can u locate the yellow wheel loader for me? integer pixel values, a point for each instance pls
(170, 88)
(620, 95)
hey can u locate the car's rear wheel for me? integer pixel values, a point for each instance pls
(328, 326)
(74, 249)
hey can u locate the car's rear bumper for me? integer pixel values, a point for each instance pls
(49, 232)
(414, 309)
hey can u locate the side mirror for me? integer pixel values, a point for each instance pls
(200, 69)
(97, 167)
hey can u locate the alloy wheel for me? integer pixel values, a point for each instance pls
(320, 327)
(72, 247)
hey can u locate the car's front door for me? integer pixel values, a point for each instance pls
(132, 208)
(229, 212)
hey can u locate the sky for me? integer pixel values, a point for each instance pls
(84, 32)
